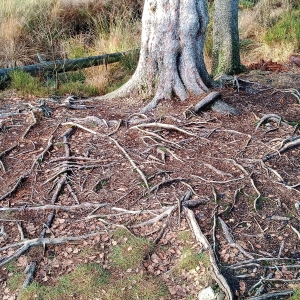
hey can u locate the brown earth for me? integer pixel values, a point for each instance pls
(218, 157)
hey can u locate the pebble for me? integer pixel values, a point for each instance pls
(206, 294)
(297, 205)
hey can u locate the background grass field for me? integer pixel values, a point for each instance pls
(57, 29)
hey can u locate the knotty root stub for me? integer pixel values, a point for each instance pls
(215, 102)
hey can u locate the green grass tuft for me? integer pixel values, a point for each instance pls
(296, 295)
(26, 84)
(130, 251)
(83, 283)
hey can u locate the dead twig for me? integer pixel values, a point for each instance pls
(296, 231)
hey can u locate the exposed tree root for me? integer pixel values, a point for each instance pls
(272, 295)
(220, 279)
(16, 186)
(85, 205)
(166, 182)
(293, 143)
(30, 126)
(207, 101)
(132, 162)
(29, 271)
(230, 240)
(164, 126)
(267, 117)
(3, 153)
(166, 213)
(258, 194)
(27, 244)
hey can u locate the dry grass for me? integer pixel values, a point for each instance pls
(70, 29)
(254, 24)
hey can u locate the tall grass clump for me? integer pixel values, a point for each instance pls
(262, 32)
(65, 29)
(286, 30)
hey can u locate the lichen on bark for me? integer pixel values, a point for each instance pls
(171, 59)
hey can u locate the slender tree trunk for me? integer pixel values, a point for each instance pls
(226, 48)
(171, 57)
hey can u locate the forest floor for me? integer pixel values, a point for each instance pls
(73, 187)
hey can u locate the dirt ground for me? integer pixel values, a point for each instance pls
(231, 165)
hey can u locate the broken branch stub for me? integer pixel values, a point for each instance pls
(207, 101)
(215, 102)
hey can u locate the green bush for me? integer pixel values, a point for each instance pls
(26, 84)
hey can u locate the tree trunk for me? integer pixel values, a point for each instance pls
(171, 57)
(226, 48)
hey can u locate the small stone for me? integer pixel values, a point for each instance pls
(206, 294)
(297, 205)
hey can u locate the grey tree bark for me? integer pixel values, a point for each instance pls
(226, 48)
(171, 57)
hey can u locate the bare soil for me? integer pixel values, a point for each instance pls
(219, 158)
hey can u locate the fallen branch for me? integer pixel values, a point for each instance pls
(29, 271)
